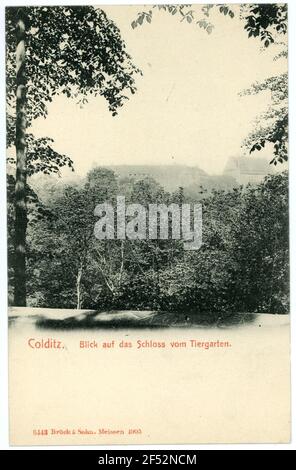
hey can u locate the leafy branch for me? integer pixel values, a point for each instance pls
(186, 13)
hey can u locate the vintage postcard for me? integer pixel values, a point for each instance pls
(148, 241)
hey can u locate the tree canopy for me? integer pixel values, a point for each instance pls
(75, 51)
(242, 265)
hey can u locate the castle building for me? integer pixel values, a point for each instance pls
(248, 169)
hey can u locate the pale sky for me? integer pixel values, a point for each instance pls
(186, 109)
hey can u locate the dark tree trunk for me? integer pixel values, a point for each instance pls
(21, 170)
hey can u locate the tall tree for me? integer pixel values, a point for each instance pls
(75, 51)
(21, 167)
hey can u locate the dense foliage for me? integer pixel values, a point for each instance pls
(242, 265)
